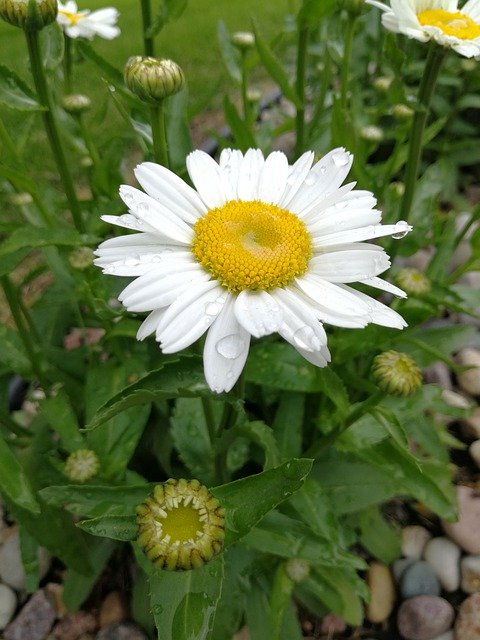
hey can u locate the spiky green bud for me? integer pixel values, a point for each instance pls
(243, 39)
(397, 373)
(82, 465)
(30, 15)
(153, 79)
(76, 103)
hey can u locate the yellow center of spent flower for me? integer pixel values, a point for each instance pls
(180, 526)
(452, 23)
(72, 17)
(252, 245)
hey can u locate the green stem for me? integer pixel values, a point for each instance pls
(11, 295)
(347, 56)
(302, 47)
(148, 44)
(433, 64)
(87, 138)
(67, 65)
(246, 105)
(160, 150)
(8, 144)
(51, 127)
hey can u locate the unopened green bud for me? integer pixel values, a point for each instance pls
(81, 465)
(297, 569)
(468, 64)
(21, 199)
(181, 525)
(413, 281)
(397, 373)
(382, 84)
(76, 103)
(371, 133)
(353, 7)
(402, 112)
(81, 258)
(153, 79)
(398, 188)
(253, 95)
(243, 39)
(30, 15)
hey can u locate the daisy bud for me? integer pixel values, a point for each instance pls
(396, 373)
(382, 84)
(468, 65)
(398, 188)
(354, 7)
(243, 39)
(181, 525)
(29, 14)
(371, 133)
(76, 103)
(81, 258)
(253, 95)
(20, 199)
(402, 112)
(82, 465)
(297, 569)
(153, 79)
(414, 282)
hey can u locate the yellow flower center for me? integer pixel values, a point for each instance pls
(452, 23)
(73, 18)
(252, 245)
(182, 523)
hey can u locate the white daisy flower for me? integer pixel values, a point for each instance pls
(259, 247)
(439, 20)
(87, 24)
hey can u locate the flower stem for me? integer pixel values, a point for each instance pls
(51, 126)
(160, 150)
(148, 44)
(67, 65)
(302, 47)
(246, 105)
(433, 64)
(347, 56)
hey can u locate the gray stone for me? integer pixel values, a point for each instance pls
(121, 631)
(11, 567)
(443, 555)
(419, 579)
(465, 531)
(469, 380)
(414, 539)
(448, 635)
(467, 624)
(399, 566)
(474, 450)
(438, 373)
(471, 425)
(424, 617)
(8, 604)
(34, 620)
(470, 572)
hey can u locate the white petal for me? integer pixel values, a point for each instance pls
(208, 179)
(129, 221)
(273, 178)
(332, 296)
(314, 210)
(252, 164)
(190, 316)
(318, 358)
(378, 283)
(258, 312)
(378, 312)
(126, 242)
(296, 176)
(230, 161)
(156, 215)
(337, 218)
(167, 188)
(150, 324)
(332, 316)
(349, 266)
(226, 350)
(300, 326)
(399, 229)
(137, 264)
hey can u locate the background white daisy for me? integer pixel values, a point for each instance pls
(257, 247)
(87, 24)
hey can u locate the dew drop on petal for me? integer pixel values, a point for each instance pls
(132, 260)
(311, 178)
(230, 374)
(212, 308)
(305, 338)
(401, 230)
(127, 197)
(126, 219)
(142, 208)
(157, 258)
(230, 347)
(340, 158)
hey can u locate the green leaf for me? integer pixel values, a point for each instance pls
(231, 606)
(378, 537)
(288, 422)
(175, 8)
(123, 528)
(14, 93)
(178, 130)
(59, 414)
(426, 346)
(262, 435)
(184, 604)
(13, 356)
(313, 12)
(14, 483)
(275, 69)
(242, 134)
(30, 561)
(280, 598)
(36, 237)
(230, 54)
(52, 43)
(247, 500)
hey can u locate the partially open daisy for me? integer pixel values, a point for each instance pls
(87, 24)
(439, 20)
(259, 247)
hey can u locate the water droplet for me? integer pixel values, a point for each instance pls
(230, 375)
(126, 220)
(212, 308)
(110, 269)
(401, 230)
(127, 197)
(157, 258)
(322, 169)
(340, 158)
(305, 338)
(132, 260)
(230, 347)
(310, 179)
(143, 208)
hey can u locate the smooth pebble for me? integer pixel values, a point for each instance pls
(443, 555)
(469, 380)
(470, 425)
(448, 635)
(470, 573)
(11, 566)
(414, 539)
(121, 631)
(474, 450)
(399, 567)
(424, 617)
(465, 532)
(8, 604)
(382, 592)
(419, 579)
(34, 620)
(467, 624)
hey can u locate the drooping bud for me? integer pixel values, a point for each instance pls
(31, 15)
(76, 103)
(397, 373)
(413, 281)
(153, 79)
(382, 84)
(297, 569)
(243, 39)
(354, 7)
(371, 133)
(81, 258)
(402, 112)
(181, 525)
(82, 465)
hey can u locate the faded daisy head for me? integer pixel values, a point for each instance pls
(87, 24)
(258, 247)
(439, 20)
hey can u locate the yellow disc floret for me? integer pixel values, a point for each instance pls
(72, 17)
(452, 23)
(252, 245)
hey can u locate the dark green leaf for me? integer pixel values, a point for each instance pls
(14, 93)
(13, 481)
(230, 54)
(242, 134)
(36, 237)
(123, 528)
(178, 131)
(52, 43)
(262, 435)
(30, 560)
(313, 12)
(287, 424)
(378, 537)
(59, 414)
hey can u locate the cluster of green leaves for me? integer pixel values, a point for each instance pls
(305, 460)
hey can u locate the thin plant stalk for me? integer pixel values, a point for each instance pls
(51, 127)
(302, 48)
(148, 43)
(87, 138)
(347, 57)
(160, 149)
(68, 64)
(247, 115)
